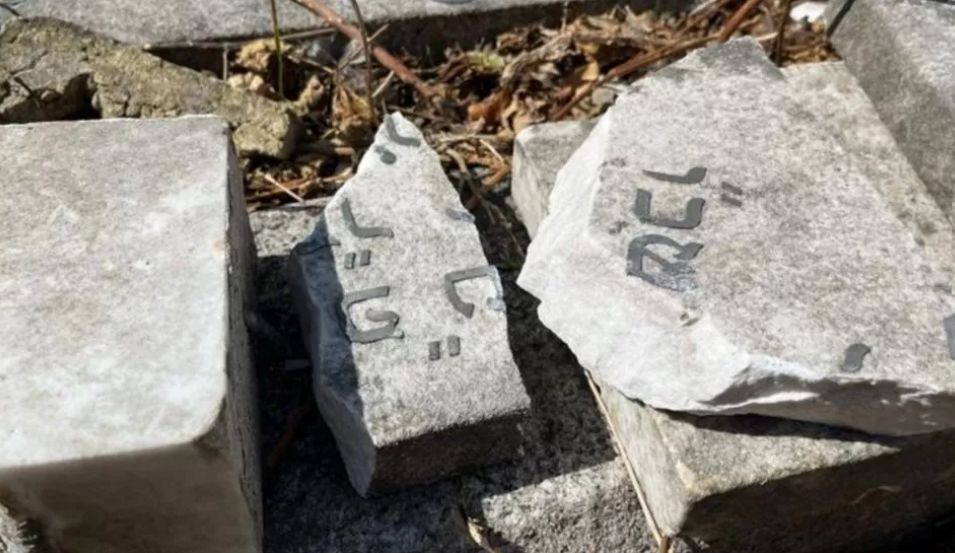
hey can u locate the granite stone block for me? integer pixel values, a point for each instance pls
(740, 483)
(902, 52)
(421, 26)
(568, 493)
(696, 277)
(129, 408)
(405, 322)
(539, 153)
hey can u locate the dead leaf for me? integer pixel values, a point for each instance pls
(253, 83)
(578, 80)
(352, 117)
(256, 55)
(312, 94)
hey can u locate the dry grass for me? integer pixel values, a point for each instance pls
(487, 94)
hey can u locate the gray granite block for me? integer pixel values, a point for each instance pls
(539, 153)
(743, 482)
(903, 54)
(840, 105)
(568, 493)
(422, 26)
(50, 70)
(702, 260)
(129, 407)
(404, 319)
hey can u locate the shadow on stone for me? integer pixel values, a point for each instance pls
(756, 425)
(308, 501)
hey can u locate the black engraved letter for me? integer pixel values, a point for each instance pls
(693, 176)
(362, 232)
(373, 315)
(692, 219)
(392, 130)
(465, 308)
(674, 276)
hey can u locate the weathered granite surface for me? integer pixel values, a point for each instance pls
(405, 323)
(840, 105)
(129, 419)
(51, 70)
(419, 25)
(698, 277)
(744, 482)
(903, 54)
(539, 153)
(568, 493)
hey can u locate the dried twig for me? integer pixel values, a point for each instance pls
(369, 78)
(629, 67)
(778, 51)
(283, 188)
(737, 19)
(382, 55)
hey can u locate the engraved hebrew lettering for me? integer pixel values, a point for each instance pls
(463, 307)
(454, 345)
(731, 195)
(362, 232)
(855, 356)
(692, 219)
(389, 330)
(350, 260)
(459, 215)
(392, 131)
(385, 155)
(365, 258)
(434, 350)
(693, 176)
(676, 276)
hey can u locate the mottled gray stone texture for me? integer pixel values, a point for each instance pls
(748, 287)
(421, 26)
(568, 493)
(834, 97)
(539, 153)
(903, 54)
(745, 482)
(50, 70)
(405, 321)
(129, 407)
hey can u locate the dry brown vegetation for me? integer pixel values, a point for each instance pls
(483, 96)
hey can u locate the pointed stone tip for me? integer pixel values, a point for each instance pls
(396, 130)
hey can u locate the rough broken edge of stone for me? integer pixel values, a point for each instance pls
(688, 499)
(378, 460)
(902, 52)
(768, 386)
(72, 69)
(539, 153)
(99, 503)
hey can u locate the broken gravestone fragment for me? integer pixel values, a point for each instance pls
(536, 167)
(50, 70)
(903, 54)
(129, 409)
(404, 320)
(700, 259)
(733, 471)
